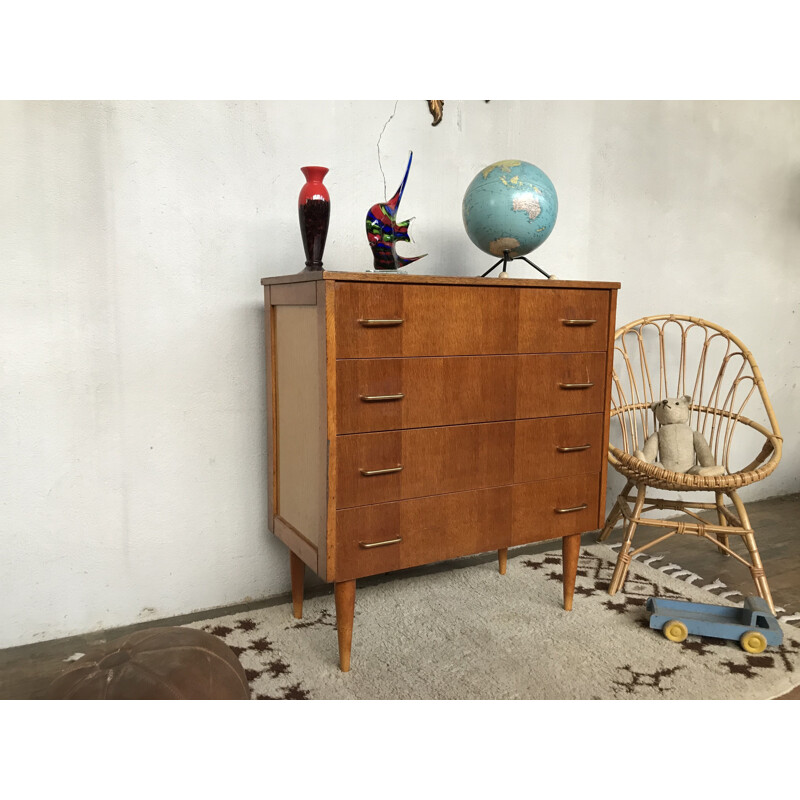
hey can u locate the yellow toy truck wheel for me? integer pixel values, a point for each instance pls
(753, 642)
(675, 631)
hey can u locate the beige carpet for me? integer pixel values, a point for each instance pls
(470, 633)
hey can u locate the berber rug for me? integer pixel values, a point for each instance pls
(468, 632)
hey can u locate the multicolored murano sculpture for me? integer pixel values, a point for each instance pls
(384, 231)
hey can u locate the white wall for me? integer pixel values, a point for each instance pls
(133, 237)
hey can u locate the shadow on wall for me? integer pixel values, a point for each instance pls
(255, 319)
(793, 200)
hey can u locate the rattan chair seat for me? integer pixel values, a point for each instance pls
(638, 471)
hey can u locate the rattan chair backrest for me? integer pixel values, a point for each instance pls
(672, 355)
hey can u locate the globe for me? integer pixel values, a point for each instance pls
(510, 205)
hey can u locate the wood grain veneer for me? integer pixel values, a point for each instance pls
(467, 320)
(461, 523)
(540, 509)
(463, 457)
(430, 528)
(562, 320)
(464, 389)
(555, 447)
(496, 436)
(433, 460)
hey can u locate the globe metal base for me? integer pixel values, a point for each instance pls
(505, 260)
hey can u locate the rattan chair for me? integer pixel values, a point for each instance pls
(669, 356)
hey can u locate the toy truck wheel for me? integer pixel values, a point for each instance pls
(675, 630)
(753, 642)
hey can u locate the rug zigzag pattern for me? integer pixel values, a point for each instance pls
(470, 633)
(676, 571)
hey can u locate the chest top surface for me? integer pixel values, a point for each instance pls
(433, 280)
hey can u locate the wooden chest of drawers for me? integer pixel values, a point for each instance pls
(415, 419)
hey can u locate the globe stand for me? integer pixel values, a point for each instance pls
(504, 261)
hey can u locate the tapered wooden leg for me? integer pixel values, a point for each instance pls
(570, 549)
(345, 595)
(298, 570)
(502, 557)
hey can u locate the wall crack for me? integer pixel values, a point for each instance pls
(380, 166)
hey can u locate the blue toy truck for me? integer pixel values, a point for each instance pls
(752, 625)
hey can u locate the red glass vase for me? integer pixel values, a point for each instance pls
(314, 208)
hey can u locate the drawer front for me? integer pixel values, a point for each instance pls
(560, 383)
(390, 536)
(563, 320)
(552, 508)
(399, 465)
(426, 461)
(390, 394)
(428, 529)
(376, 320)
(558, 447)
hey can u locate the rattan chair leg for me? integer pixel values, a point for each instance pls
(722, 537)
(620, 571)
(757, 568)
(624, 559)
(761, 583)
(613, 519)
(615, 515)
(757, 571)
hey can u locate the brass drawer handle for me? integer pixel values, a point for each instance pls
(369, 545)
(368, 473)
(573, 449)
(380, 398)
(576, 385)
(570, 510)
(578, 323)
(380, 323)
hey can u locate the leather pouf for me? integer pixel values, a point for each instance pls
(155, 664)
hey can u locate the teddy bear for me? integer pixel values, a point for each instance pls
(676, 443)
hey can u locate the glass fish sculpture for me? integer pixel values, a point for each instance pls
(384, 231)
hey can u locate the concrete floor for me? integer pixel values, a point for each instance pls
(26, 671)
